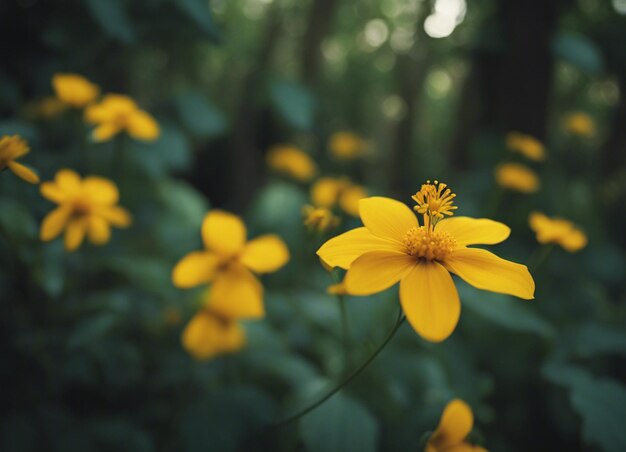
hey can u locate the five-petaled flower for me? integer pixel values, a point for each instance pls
(393, 246)
(117, 113)
(87, 207)
(456, 423)
(74, 90)
(557, 230)
(12, 148)
(228, 262)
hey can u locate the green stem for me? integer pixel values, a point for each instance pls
(345, 332)
(347, 379)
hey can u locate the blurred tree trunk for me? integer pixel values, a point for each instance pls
(615, 147)
(319, 24)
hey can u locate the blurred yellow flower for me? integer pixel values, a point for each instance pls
(557, 230)
(346, 145)
(117, 113)
(393, 247)
(319, 219)
(228, 261)
(337, 289)
(11, 149)
(456, 423)
(293, 162)
(87, 207)
(209, 333)
(517, 177)
(74, 90)
(48, 107)
(527, 145)
(328, 191)
(581, 124)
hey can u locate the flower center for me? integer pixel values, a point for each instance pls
(80, 208)
(429, 245)
(434, 201)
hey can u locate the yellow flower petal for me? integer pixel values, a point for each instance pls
(68, 181)
(100, 190)
(342, 250)
(376, 271)
(195, 268)
(456, 423)
(104, 132)
(486, 271)
(349, 199)
(74, 89)
(265, 254)
(387, 218)
(75, 233)
(236, 293)
(116, 215)
(574, 241)
(430, 301)
(99, 231)
(23, 172)
(143, 126)
(518, 177)
(223, 233)
(54, 222)
(472, 231)
(52, 192)
(207, 335)
(325, 190)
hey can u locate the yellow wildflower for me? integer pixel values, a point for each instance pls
(557, 230)
(517, 177)
(118, 113)
(228, 261)
(581, 124)
(319, 219)
(12, 148)
(346, 145)
(393, 247)
(87, 207)
(293, 162)
(74, 90)
(209, 333)
(457, 421)
(527, 145)
(328, 191)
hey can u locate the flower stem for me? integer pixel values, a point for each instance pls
(345, 332)
(348, 378)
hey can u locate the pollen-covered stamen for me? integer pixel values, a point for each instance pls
(429, 245)
(434, 201)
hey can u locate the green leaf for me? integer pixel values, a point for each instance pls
(505, 311)
(579, 51)
(593, 339)
(112, 17)
(199, 12)
(199, 116)
(294, 103)
(600, 402)
(340, 424)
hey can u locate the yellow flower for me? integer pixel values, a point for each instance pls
(49, 107)
(517, 177)
(557, 230)
(337, 289)
(292, 161)
(457, 421)
(527, 145)
(346, 145)
(87, 207)
(209, 333)
(228, 261)
(118, 113)
(319, 219)
(393, 247)
(12, 148)
(328, 191)
(74, 90)
(580, 124)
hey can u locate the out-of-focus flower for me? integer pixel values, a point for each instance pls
(393, 247)
(293, 162)
(47, 108)
(580, 123)
(557, 230)
(456, 423)
(11, 149)
(171, 316)
(319, 219)
(228, 261)
(209, 333)
(118, 113)
(337, 289)
(328, 191)
(87, 207)
(74, 90)
(527, 145)
(346, 145)
(517, 177)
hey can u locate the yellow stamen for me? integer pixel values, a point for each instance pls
(434, 201)
(427, 244)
